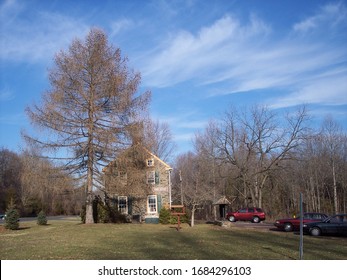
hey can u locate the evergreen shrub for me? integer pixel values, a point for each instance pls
(11, 219)
(164, 216)
(41, 218)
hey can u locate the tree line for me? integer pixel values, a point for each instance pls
(257, 157)
(31, 184)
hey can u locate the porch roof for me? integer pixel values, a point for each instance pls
(222, 200)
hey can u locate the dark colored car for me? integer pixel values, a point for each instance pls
(2, 216)
(252, 214)
(291, 224)
(334, 225)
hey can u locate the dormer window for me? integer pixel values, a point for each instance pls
(150, 162)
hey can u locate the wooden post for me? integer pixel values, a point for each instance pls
(178, 213)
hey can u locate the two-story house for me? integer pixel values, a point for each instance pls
(139, 184)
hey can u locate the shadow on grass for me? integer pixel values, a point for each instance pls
(23, 228)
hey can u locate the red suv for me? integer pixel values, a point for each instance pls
(252, 214)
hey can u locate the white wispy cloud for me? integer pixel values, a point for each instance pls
(241, 57)
(38, 35)
(328, 91)
(121, 26)
(187, 56)
(183, 120)
(329, 15)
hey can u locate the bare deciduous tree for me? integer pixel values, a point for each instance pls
(46, 187)
(332, 139)
(90, 107)
(158, 139)
(10, 167)
(194, 179)
(254, 143)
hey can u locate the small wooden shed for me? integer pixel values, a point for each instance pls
(223, 204)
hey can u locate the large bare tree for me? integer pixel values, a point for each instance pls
(255, 143)
(89, 109)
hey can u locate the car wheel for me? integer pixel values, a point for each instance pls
(232, 219)
(255, 219)
(288, 227)
(315, 231)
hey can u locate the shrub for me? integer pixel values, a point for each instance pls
(41, 218)
(164, 216)
(107, 213)
(103, 216)
(183, 219)
(11, 219)
(104, 213)
(83, 214)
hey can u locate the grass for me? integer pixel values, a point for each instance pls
(70, 239)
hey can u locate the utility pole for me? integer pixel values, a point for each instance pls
(170, 186)
(180, 174)
(301, 246)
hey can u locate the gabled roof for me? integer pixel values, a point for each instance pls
(167, 167)
(222, 200)
(157, 158)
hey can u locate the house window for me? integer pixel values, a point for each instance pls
(151, 177)
(150, 162)
(152, 204)
(123, 204)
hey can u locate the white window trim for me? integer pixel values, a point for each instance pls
(151, 177)
(123, 210)
(149, 211)
(150, 162)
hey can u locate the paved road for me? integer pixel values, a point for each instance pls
(49, 218)
(260, 226)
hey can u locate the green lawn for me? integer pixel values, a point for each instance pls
(72, 240)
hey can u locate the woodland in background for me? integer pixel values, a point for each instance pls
(33, 184)
(257, 158)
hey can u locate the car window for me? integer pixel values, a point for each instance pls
(259, 209)
(334, 220)
(251, 210)
(342, 219)
(243, 210)
(307, 216)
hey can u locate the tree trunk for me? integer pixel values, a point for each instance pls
(90, 162)
(89, 208)
(192, 222)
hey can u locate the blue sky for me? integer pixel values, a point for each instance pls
(197, 57)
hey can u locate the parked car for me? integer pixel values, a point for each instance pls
(252, 214)
(334, 225)
(291, 224)
(2, 216)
